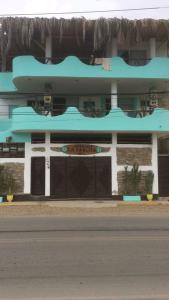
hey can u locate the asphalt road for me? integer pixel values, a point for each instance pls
(84, 258)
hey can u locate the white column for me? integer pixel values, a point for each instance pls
(155, 162)
(113, 94)
(47, 165)
(48, 49)
(114, 165)
(27, 169)
(114, 47)
(152, 47)
(114, 104)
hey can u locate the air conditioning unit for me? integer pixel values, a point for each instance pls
(154, 102)
(47, 99)
(8, 139)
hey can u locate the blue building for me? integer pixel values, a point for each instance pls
(79, 101)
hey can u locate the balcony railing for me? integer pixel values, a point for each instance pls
(139, 113)
(137, 61)
(134, 113)
(89, 60)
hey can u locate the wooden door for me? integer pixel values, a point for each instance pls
(103, 176)
(81, 177)
(58, 178)
(38, 176)
(163, 175)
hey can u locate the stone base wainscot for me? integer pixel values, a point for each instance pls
(17, 170)
(141, 156)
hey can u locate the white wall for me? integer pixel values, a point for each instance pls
(4, 106)
(47, 154)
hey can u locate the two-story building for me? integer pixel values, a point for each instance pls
(80, 100)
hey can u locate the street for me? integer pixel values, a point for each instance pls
(83, 258)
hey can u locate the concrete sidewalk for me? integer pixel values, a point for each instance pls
(86, 208)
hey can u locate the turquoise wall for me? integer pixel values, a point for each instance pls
(73, 120)
(28, 66)
(23, 66)
(25, 120)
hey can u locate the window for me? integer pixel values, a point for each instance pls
(137, 57)
(56, 107)
(37, 105)
(107, 105)
(38, 138)
(12, 150)
(59, 106)
(134, 138)
(134, 57)
(81, 138)
(91, 106)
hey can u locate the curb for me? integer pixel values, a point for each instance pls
(84, 204)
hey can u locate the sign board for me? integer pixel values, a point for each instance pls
(80, 149)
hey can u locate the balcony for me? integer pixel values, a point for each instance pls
(31, 75)
(26, 119)
(27, 69)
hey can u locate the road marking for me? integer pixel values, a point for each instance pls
(161, 297)
(81, 239)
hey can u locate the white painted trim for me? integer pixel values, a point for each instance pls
(47, 165)
(134, 146)
(141, 168)
(114, 165)
(155, 162)
(49, 152)
(114, 92)
(27, 169)
(12, 160)
(47, 176)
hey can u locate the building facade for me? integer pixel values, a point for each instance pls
(79, 101)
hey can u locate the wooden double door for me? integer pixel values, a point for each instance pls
(80, 177)
(163, 175)
(38, 176)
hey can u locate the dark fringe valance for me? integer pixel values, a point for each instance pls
(22, 30)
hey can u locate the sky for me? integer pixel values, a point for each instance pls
(41, 6)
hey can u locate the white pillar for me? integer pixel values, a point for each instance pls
(155, 162)
(48, 49)
(152, 47)
(114, 135)
(113, 94)
(47, 165)
(27, 169)
(114, 47)
(114, 165)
